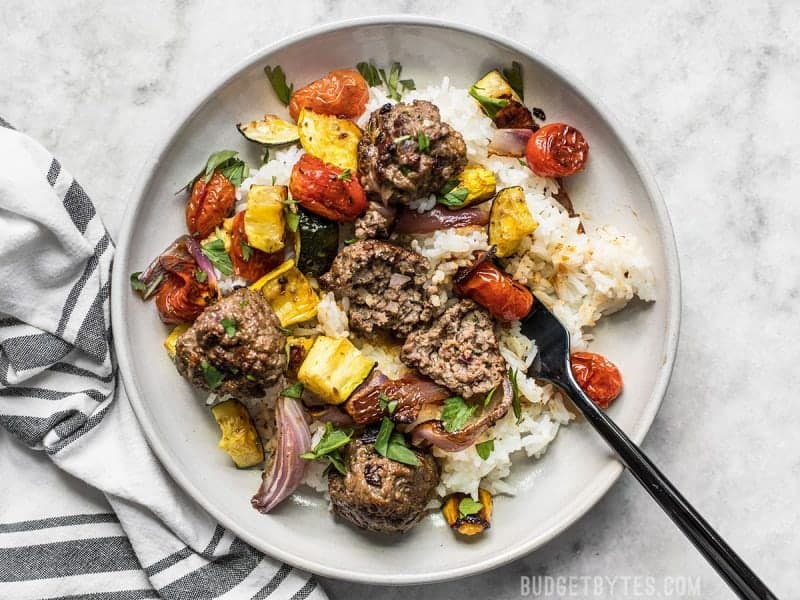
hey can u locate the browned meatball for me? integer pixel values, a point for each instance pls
(407, 152)
(387, 285)
(238, 339)
(380, 494)
(459, 351)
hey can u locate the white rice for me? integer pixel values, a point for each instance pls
(580, 276)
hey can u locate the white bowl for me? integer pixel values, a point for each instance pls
(554, 491)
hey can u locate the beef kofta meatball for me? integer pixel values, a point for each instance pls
(407, 152)
(381, 494)
(234, 347)
(376, 223)
(387, 286)
(459, 351)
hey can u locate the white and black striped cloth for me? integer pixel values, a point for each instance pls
(86, 511)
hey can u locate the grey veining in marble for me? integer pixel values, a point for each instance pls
(710, 92)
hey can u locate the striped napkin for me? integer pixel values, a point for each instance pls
(86, 510)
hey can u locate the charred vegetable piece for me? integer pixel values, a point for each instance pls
(210, 202)
(172, 339)
(248, 262)
(329, 138)
(475, 184)
(270, 131)
(342, 93)
(289, 293)
(494, 85)
(465, 515)
(500, 102)
(296, 351)
(509, 221)
(557, 150)
(327, 190)
(264, 218)
(239, 437)
(494, 289)
(333, 369)
(316, 243)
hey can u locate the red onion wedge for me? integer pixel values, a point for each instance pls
(155, 274)
(433, 432)
(332, 415)
(286, 469)
(410, 221)
(203, 263)
(510, 142)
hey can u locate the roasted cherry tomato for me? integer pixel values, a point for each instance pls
(598, 377)
(556, 150)
(342, 93)
(492, 288)
(326, 190)
(250, 263)
(209, 204)
(181, 298)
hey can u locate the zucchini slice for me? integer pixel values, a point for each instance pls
(239, 436)
(270, 131)
(509, 220)
(316, 243)
(494, 85)
(333, 369)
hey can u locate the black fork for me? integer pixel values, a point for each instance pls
(552, 364)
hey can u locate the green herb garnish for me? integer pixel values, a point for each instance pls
(423, 141)
(489, 396)
(228, 163)
(350, 241)
(292, 220)
(293, 391)
(393, 445)
(201, 275)
(402, 138)
(345, 175)
(408, 84)
(247, 250)
(523, 162)
(484, 449)
(512, 376)
(277, 78)
(468, 507)
(369, 73)
(514, 78)
(456, 413)
(145, 290)
(236, 172)
(386, 404)
(451, 196)
(330, 446)
(491, 105)
(137, 285)
(392, 80)
(250, 377)
(215, 251)
(230, 327)
(212, 376)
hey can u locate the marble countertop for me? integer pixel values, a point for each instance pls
(709, 91)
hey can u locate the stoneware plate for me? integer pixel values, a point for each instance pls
(553, 492)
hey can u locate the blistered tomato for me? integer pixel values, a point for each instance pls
(494, 289)
(182, 297)
(556, 150)
(326, 190)
(250, 263)
(209, 204)
(597, 376)
(342, 93)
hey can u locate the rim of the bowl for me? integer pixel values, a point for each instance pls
(602, 481)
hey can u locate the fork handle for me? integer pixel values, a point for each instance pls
(721, 556)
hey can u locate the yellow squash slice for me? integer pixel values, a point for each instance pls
(289, 293)
(172, 338)
(479, 182)
(331, 139)
(509, 221)
(333, 369)
(264, 219)
(239, 436)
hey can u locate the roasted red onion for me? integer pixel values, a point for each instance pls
(412, 391)
(363, 405)
(510, 142)
(286, 469)
(433, 432)
(332, 415)
(203, 263)
(410, 221)
(155, 274)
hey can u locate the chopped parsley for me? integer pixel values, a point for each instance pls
(456, 413)
(293, 391)
(146, 290)
(212, 376)
(369, 73)
(215, 251)
(277, 79)
(137, 284)
(423, 141)
(402, 138)
(392, 80)
(226, 162)
(330, 446)
(512, 376)
(484, 449)
(201, 275)
(514, 78)
(468, 507)
(489, 396)
(393, 445)
(247, 250)
(455, 198)
(230, 327)
(523, 162)
(250, 377)
(345, 175)
(388, 405)
(490, 105)
(292, 220)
